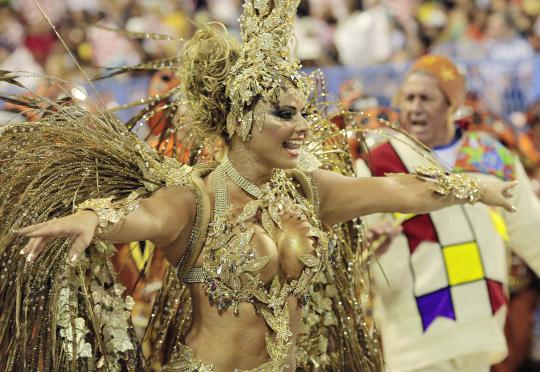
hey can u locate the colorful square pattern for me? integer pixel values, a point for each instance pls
(452, 235)
(463, 263)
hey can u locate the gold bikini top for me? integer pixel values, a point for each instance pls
(231, 270)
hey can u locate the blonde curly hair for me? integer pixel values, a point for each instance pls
(205, 65)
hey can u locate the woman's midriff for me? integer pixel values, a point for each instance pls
(227, 341)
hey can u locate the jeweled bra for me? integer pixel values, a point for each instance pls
(228, 254)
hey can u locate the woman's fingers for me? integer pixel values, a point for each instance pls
(502, 199)
(36, 245)
(78, 226)
(31, 228)
(41, 245)
(35, 230)
(498, 193)
(507, 189)
(34, 248)
(381, 235)
(388, 228)
(79, 244)
(51, 229)
(510, 185)
(507, 194)
(507, 205)
(40, 234)
(37, 248)
(29, 247)
(396, 231)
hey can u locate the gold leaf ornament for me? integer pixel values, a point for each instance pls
(250, 210)
(257, 264)
(309, 260)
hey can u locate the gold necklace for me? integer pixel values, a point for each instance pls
(239, 180)
(221, 204)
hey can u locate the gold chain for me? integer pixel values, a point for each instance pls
(238, 179)
(221, 192)
(221, 202)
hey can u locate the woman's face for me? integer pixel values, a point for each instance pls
(284, 129)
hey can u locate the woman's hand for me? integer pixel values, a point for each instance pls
(497, 193)
(79, 226)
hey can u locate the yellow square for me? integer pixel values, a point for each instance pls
(463, 263)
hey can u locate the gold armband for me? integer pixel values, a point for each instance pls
(461, 186)
(110, 213)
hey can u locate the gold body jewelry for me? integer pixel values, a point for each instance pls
(460, 186)
(110, 213)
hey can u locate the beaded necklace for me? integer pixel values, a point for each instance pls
(238, 179)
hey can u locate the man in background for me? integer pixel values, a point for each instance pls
(441, 298)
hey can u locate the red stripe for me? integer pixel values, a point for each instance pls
(385, 159)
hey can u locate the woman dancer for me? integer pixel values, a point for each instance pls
(246, 235)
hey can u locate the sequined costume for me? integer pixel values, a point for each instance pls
(139, 168)
(231, 272)
(62, 316)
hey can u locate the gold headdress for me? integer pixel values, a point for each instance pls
(265, 61)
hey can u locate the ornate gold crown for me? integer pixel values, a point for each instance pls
(265, 62)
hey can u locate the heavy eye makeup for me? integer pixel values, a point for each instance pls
(287, 112)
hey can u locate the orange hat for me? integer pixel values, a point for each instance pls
(450, 79)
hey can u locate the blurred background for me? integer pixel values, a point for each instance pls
(363, 46)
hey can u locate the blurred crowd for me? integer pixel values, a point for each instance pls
(329, 32)
(28, 42)
(392, 30)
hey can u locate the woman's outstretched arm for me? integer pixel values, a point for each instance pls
(343, 198)
(164, 218)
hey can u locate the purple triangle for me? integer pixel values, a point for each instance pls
(435, 304)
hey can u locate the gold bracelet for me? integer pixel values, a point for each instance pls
(461, 186)
(110, 213)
